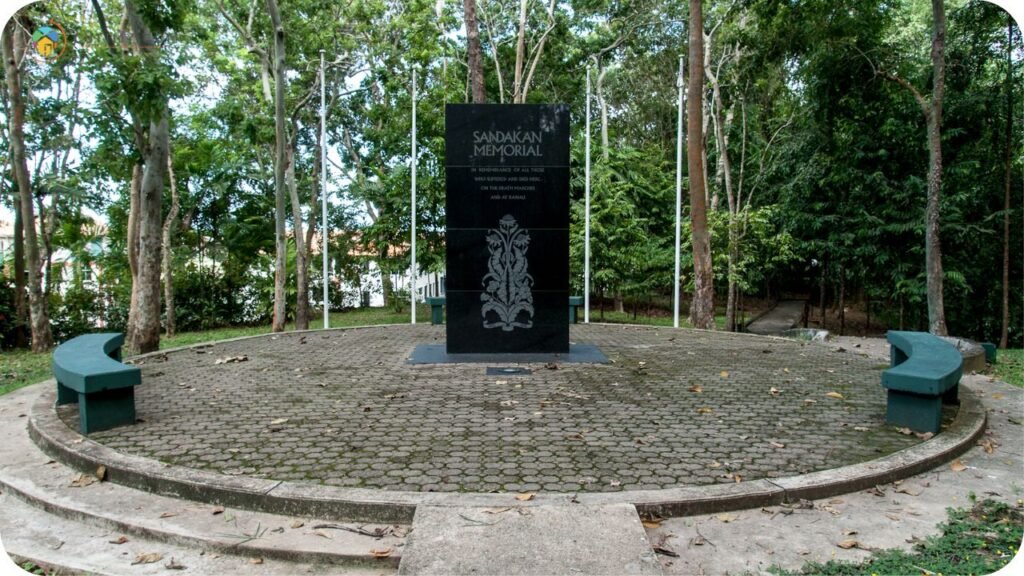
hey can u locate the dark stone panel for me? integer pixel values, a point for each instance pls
(535, 197)
(470, 259)
(469, 126)
(507, 212)
(548, 329)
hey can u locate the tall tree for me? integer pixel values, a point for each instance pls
(280, 166)
(702, 310)
(1004, 329)
(475, 62)
(14, 46)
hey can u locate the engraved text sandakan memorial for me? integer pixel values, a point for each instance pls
(508, 228)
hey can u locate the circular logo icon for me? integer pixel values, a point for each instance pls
(50, 41)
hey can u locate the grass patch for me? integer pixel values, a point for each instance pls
(977, 540)
(20, 368)
(1009, 367)
(627, 318)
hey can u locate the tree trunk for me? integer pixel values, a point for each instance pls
(171, 324)
(134, 190)
(476, 65)
(517, 85)
(20, 279)
(13, 49)
(1004, 330)
(144, 334)
(725, 169)
(301, 252)
(280, 163)
(602, 103)
(702, 311)
(933, 245)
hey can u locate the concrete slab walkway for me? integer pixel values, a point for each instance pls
(599, 540)
(784, 316)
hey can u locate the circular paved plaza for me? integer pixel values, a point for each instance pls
(674, 407)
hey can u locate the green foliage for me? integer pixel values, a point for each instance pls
(1009, 366)
(977, 540)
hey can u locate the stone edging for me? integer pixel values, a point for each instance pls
(62, 443)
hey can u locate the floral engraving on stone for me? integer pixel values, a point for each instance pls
(507, 298)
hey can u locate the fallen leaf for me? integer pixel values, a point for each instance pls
(525, 496)
(231, 359)
(652, 524)
(147, 558)
(849, 532)
(809, 401)
(120, 540)
(774, 391)
(997, 396)
(168, 514)
(173, 565)
(298, 524)
(835, 395)
(924, 435)
(724, 374)
(380, 552)
(727, 517)
(987, 445)
(218, 510)
(320, 534)
(278, 421)
(496, 510)
(256, 561)
(861, 428)
(957, 465)
(715, 464)
(695, 388)
(101, 473)
(667, 551)
(704, 410)
(615, 483)
(776, 444)
(82, 480)
(909, 489)
(848, 543)
(875, 491)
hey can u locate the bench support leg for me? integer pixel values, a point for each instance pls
(914, 411)
(951, 396)
(65, 395)
(106, 409)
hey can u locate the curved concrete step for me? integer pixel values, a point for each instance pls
(62, 546)
(394, 507)
(32, 477)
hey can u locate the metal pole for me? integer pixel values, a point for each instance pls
(679, 193)
(323, 190)
(586, 225)
(412, 272)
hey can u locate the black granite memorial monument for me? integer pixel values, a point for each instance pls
(508, 228)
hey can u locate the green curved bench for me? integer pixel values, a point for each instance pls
(924, 374)
(89, 372)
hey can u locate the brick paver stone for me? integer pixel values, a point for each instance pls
(675, 407)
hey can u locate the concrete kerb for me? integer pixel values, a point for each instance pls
(353, 504)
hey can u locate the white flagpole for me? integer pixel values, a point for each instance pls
(323, 190)
(586, 225)
(412, 273)
(679, 193)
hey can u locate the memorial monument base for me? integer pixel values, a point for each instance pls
(437, 354)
